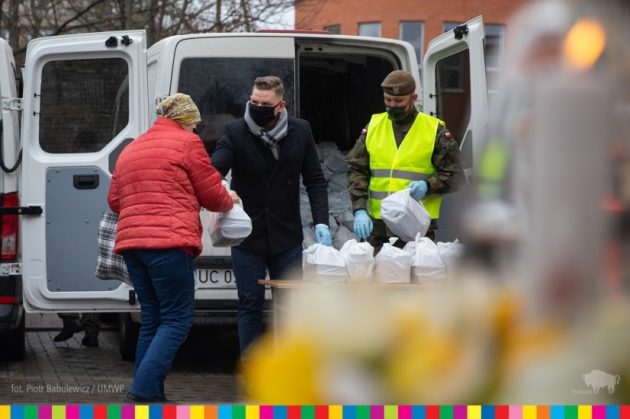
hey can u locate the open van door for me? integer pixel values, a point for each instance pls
(454, 90)
(84, 100)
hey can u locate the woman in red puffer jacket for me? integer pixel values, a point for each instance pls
(160, 182)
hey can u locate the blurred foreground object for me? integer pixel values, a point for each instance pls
(558, 139)
(366, 343)
(546, 325)
(464, 344)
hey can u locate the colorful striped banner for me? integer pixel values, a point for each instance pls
(126, 411)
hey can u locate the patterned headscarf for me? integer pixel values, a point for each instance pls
(179, 107)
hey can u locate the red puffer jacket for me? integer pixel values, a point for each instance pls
(161, 180)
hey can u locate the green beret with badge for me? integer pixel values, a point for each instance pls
(399, 83)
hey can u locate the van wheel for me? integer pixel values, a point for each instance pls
(128, 332)
(14, 343)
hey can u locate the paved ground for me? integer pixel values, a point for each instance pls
(67, 372)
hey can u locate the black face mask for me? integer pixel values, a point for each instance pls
(397, 114)
(262, 115)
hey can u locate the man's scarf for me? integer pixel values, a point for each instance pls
(272, 137)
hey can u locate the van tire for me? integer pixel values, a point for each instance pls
(14, 343)
(128, 331)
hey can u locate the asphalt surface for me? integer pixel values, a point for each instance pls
(67, 372)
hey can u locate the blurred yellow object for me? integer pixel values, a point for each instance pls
(468, 343)
(584, 44)
(285, 373)
(419, 356)
(358, 345)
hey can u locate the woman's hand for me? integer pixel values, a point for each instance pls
(235, 197)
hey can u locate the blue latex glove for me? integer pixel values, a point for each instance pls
(418, 189)
(362, 224)
(322, 234)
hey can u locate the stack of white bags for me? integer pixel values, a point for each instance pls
(420, 261)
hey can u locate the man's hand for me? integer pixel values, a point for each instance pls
(322, 234)
(362, 224)
(418, 189)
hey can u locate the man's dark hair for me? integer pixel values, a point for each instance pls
(270, 83)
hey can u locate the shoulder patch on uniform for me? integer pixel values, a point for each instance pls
(448, 134)
(364, 131)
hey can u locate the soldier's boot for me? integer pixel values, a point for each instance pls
(69, 329)
(91, 325)
(90, 340)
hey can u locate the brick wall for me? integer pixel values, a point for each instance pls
(318, 14)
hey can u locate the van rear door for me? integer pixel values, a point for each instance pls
(454, 90)
(85, 98)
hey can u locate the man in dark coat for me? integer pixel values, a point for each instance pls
(267, 152)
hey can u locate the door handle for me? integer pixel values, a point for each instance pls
(85, 181)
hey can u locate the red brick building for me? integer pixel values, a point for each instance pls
(415, 21)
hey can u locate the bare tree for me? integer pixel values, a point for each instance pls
(310, 9)
(14, 30)
(25, 20)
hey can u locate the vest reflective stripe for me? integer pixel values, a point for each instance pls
(378, 195)
(401, 174)
(393, 167)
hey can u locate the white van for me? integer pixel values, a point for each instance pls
(86, 96)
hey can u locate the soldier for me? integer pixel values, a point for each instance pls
(414, 147)
(73, 323)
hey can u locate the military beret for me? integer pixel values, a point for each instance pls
(399, 83)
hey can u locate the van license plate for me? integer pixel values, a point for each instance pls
(215, 278)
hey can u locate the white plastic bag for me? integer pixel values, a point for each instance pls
(450, 252)
(323, 264)
(229, 228)
(359, 258)
(342, 236)
(426, 265)
(393, 265)
(404, 216)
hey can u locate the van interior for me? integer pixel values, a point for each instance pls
(339, 92)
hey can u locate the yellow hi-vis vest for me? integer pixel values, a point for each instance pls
(393, 168)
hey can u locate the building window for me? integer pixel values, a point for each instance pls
(334, 29)
(413, 32)
(370, 29)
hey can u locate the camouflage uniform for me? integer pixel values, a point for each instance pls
(449, 175)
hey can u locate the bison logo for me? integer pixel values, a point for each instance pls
(598, 379)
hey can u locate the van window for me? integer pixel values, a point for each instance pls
(84, 104)
(221, 87)
(454, 99)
